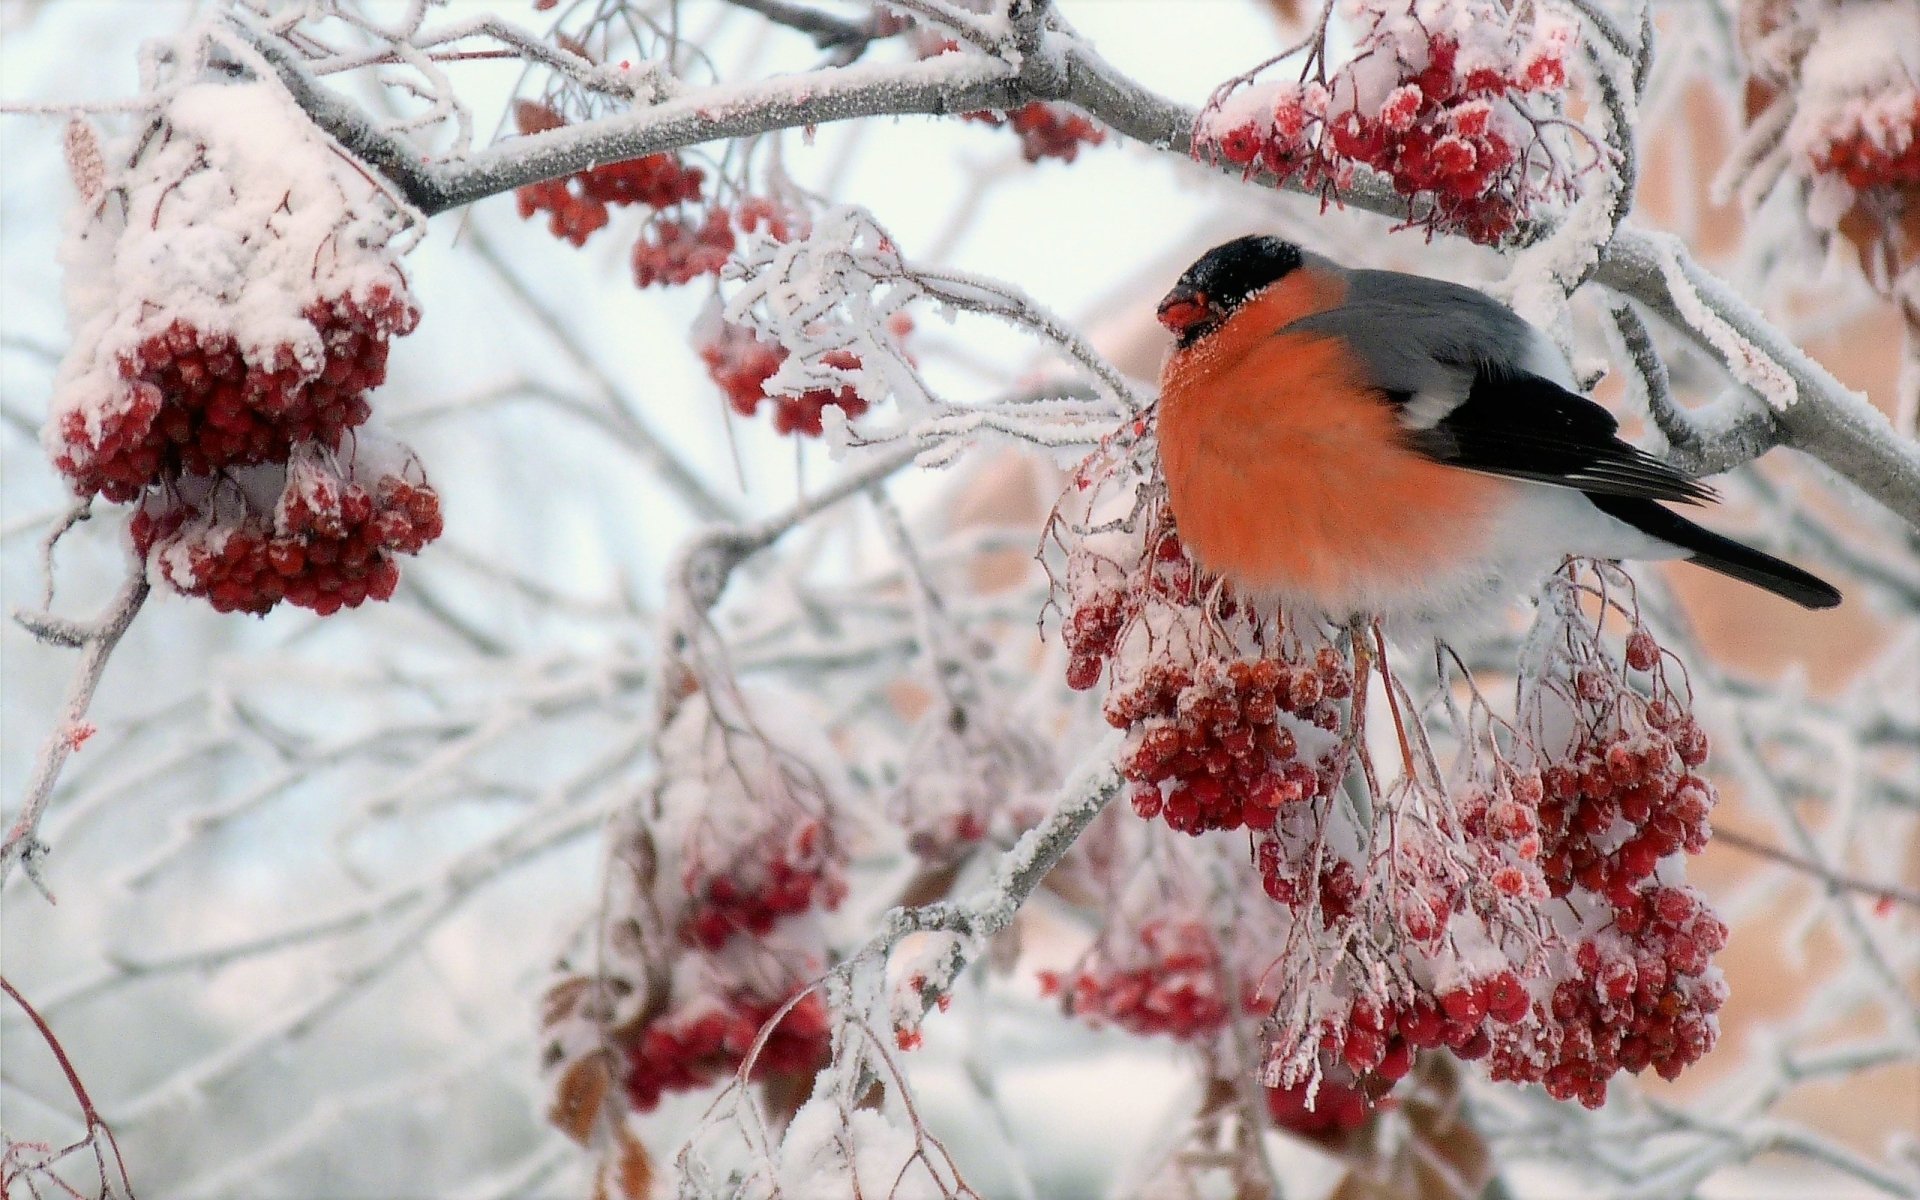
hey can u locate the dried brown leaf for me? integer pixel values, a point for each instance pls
(580, 1096)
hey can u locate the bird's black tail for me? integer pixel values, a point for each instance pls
(1721, 554)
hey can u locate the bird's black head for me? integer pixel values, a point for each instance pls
(1223, 279)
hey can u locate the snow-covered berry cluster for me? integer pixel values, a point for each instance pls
(718, 882)
(1876, 145)
(1624, 799)
(969, 775)
(234, 286)
(1438, 98)
(1833, 113)
(1227, 722)
(793, 878)
(1165, 979)
(324, 541)
(189, 400)
(680, 241)
(676, 251)
(1327, 1111)
(1046, 128)
(1532, 915)
(1642, 993)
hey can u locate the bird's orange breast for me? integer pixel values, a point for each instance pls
(1287, 472)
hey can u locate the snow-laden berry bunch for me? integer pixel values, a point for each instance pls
(1445, 98)
(750, 810)
(233, 283)
(320, 532)
(1833, 104)
(577, 205)
(1523, 905)
(969, 777)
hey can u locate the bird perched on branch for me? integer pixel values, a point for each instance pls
(1375, 442)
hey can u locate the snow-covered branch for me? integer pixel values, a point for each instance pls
(1817, 415)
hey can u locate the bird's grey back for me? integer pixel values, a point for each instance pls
(1427, 336)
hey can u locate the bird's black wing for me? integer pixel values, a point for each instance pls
(1525, 427)
(1463, 371)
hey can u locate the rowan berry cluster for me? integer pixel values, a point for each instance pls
(233, 308)
(329, 543)
(741, 363)
(1335, 1108)
(1375, 1042)
(1622, 802)
(718, 881)
(196, 403)
(677, 251)
(1433, 100)
(577, 205)
(754, 831)
(796, 878)
(1046, 129)
(971, 772)
(1877, 146)
(1644, 994)
(686, 1051)
(1165, 980)
(1219, 735)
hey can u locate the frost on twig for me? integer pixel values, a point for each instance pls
(96, 641)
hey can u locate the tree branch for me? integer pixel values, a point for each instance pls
(1818, 416)
(22, 845)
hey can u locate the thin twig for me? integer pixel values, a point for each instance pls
(22, 845)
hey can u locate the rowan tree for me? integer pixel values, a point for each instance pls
(628, 644)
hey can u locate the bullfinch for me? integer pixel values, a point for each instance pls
(1383, 443)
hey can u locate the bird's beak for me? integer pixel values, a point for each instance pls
(1184, 309)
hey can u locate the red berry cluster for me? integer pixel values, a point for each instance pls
(330, 543)
(1643, 997)
(577, 205)
(1449, 133)
(1887, 155)
(1218, 748)
(680, 251)
(1336, 1108)
(1217, 737)
(683, 1052)
(752, 896)
(195, 403)
(1168, 982)
(741, 363)
(1047, 130)
(1377, 1042)
(1622, 802)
